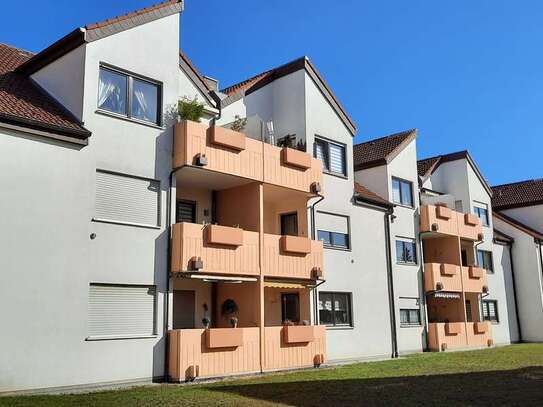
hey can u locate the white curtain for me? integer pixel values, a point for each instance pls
(105, 91)
(143, 109)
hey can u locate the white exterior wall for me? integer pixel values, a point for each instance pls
(506, 330)
(529, 215)
(51, 259)
(528, 278)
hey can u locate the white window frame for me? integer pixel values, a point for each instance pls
(406, 240)
(328, 142)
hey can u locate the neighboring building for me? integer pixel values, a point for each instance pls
(518, 211)
(459, 250)
(143, 247)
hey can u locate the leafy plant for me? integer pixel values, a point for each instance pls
(205, 322)
(239, 124)
(234, 322)
(229, 307)
(190, 109)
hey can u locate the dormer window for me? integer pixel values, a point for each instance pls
(128, 95)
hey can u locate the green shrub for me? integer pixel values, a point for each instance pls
(190, 109)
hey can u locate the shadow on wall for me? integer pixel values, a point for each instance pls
(508, 387)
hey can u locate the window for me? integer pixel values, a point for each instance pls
(120, 311)
(402, 192)
(406, 251)
(127, 199)
(290, 307)
(332, 156)
(129, 96)
(335, 309)
(410, 317)
(289, 224)
(469, 314)
(333, 230)
(482, 213)
(185, 211)
(490, 311)
(484, 260)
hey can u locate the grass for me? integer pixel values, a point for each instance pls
(511, 375)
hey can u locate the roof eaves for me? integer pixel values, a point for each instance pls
(196, 78)
(521, 226)
(400, 147)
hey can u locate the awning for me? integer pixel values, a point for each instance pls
(284, 285)
(213, 279)
(448, 295)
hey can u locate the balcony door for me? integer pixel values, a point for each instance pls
(289, 224)
(290, 307)
(183, 309)
(185, 211)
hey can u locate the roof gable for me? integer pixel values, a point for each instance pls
(196, 78)
(248, 86)
(518, 194)
(24, 103)
(381, 151)
(427, 166)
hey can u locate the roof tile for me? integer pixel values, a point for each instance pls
(518, 194)
(371, 196)
(377, 152)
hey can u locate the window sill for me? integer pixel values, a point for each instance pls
(121, 337)
(339, 328)
(128, 119)
(341, 249)
(115, 222)
(400, 205)
(411, 326)
(335, 174)
(407, 264)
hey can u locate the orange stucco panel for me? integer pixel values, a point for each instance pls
(224, 235)
(296, 158)
(224, 337)
(227, 138)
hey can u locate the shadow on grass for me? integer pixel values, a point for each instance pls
(496, 388)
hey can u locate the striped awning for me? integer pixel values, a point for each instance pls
(448, 295)
(284, 285)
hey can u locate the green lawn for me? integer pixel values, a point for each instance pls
(511, 375)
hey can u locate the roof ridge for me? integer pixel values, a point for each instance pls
(444, 155)
(400, 133)
(17, 48)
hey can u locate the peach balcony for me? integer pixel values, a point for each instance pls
(229, 351)
(292, 257)
(459, 335)
(214, 249)
(442, 277)
(442, 220)
(474, 279)
(230, 152)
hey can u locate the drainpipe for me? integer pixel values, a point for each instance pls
(313, 226)
(391, 295)
(510, 244)
(541, 255)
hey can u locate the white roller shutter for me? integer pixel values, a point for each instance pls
(121, 311)
(332, 223)
(127, 199)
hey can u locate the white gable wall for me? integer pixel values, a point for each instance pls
(529, 215)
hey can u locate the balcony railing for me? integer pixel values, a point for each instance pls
(474, 279)
(214, 249)
(307, 347)
(442, 220)
(292, 257)
(229, 152)
(228, 351)
(442, 277)
(458, 335)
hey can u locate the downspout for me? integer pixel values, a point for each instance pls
(541, 256)
(315, 289)
(391, 295)
(510, 244)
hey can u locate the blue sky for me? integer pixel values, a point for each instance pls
(467, 74)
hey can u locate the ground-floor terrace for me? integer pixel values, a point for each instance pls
(224, 325)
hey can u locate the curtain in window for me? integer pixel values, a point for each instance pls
(321, 153)
(337, 161)
(112, 91)
(144, 101)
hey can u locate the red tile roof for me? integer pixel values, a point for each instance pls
(515, 223)
(24, 103)
(518, 194)
(367, 195)
(380, 151)
(132, 14)
(246, 84)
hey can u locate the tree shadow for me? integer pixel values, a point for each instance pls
(499, 388)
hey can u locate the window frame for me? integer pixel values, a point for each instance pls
(410, 324)
(194, 205)
(332, 246)
(283, 306)
(349, 296)
(130, 76)
(281, 224)
(401, 182)
(490, 256)
(484, 305)
(405, 240)
(327, 143)
(91, 338)
(477, 208)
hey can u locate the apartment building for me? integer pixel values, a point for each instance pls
(140, 246)
(518, 212)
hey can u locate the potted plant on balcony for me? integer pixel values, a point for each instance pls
(229, 311)
(206, 322)
(239, 124)
(190, 109)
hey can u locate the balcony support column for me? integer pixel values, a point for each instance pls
(463, 295)
(261, 270)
